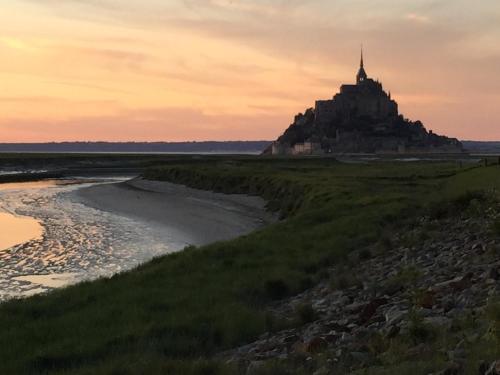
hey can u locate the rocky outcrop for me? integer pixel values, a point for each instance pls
(362, 135)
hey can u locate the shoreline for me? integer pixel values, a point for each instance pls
(190, 216)
(104, 227)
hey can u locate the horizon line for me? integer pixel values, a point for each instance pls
(186, 141)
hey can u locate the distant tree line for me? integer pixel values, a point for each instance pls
(140, 147)
(479, 146)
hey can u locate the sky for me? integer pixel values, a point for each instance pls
(176, 70)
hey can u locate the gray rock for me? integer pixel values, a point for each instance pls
(452, 368)
(493, 273)
(457, 355)
(361, 358)
(438, 321)
(392, 332)
(394, 316)
(494, 369)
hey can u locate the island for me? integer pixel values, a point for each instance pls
(362, 118)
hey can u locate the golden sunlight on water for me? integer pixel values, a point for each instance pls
(15, 230)
(29, 185)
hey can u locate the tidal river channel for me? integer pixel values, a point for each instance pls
(49, 239)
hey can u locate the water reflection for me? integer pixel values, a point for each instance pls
(11, 186)
(27, 185)
(15, 230)
(73, 242)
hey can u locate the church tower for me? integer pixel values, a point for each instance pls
(361, 76)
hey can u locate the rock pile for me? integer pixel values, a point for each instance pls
(435, 279)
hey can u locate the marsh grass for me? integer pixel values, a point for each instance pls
(495, 227)
(171, 314)
(305, 313)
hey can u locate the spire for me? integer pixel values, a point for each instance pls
(361, 76)
(361, 65)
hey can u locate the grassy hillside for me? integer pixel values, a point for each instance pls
(172, 314)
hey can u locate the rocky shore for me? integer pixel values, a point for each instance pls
(424, 297)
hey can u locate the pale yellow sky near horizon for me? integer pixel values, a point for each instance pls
(174, 70)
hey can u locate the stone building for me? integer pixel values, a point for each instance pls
(362, 117)
(365, 98)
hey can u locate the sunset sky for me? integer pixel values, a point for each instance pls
(175, 70)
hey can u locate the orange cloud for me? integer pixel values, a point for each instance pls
(418, 18)
(163, 124)
(234, 69)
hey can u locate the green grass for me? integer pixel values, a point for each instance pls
(171, 315)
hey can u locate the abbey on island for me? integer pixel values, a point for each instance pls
(361, 118)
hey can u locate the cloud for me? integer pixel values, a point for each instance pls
(109, 58)
(17, 44)
(80, 85)
(242, 7)
(147, 124)
(418, 18)
(58, 5)
(265, 56)
(51, 100)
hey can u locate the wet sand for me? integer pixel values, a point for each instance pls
(78, 242)
(97, 228)
(190, 216)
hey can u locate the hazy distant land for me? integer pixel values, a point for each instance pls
(482, 146)
(215, 147)
(206, 147)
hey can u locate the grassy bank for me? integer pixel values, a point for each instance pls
(172, 314)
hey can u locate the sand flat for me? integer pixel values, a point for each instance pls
(191, 216)
(106, 227)
(50, 280)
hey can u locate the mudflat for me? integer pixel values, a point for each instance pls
(190, 216)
